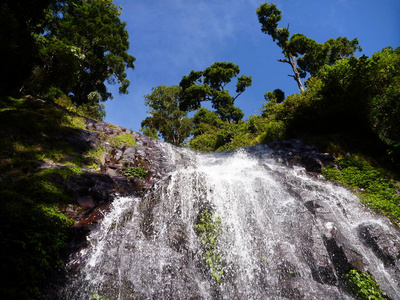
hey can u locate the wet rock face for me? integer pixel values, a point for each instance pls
(295, 152)
(305, 236)
(98, 187)
(384, 245)
(94, 190)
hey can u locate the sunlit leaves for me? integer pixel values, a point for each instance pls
(209, 85)
(85, 45)
(165, 117)
(309, 55)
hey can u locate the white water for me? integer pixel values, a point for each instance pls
(276, 227)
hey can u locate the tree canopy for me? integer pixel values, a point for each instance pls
(277, 96)
(209, 85)
(165, 118)
(303, 54)
(84, 45)
(19, 20)
(73, 47)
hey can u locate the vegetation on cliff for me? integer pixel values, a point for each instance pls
(66, 51)
(36, 161)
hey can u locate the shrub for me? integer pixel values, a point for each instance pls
(375, 189)
(208, 228)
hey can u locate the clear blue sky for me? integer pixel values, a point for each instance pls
(169, 38)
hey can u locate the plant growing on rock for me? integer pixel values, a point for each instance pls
(375, 190)
(209, 229)
(364, 286)
(138, 172)
(99, 297)
(122, 140)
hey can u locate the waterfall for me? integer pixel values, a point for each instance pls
(235, 225)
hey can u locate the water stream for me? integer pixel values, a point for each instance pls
(280, 234)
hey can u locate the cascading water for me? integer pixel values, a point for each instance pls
(273, 232)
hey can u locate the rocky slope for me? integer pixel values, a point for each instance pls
(53, 160)
(94, 190)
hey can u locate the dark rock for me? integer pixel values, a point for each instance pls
(93, 216)
(312, 206)
(311, 163)
(177, 237)
(86, 202)
(324, 275)
(385, 246)
(295, 152)
(343, 258)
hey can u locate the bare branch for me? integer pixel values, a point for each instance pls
(284, 60)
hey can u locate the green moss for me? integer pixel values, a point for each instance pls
(376, 190)
(138, 172)
(364, 286)
(96, 153)
(208, 228)
(122, 140)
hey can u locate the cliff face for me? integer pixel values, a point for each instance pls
(61, 171)
(55, 157)
(96, 188)
(129, 163)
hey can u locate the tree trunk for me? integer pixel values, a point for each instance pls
(296, 73)
(292, 61)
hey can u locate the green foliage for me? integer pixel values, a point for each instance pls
(273, 131)
(99, 297)
(376, 190)
(165, 118)
(298, 49)
(36, 163)
(209, 85)
(84, 45)
(124, 140)
(138, 172)
(353, 96)
(212, 134)
(276, 96)
(364, 286)
(208, 228)
(18, 21)
(92, 110)
(204, 142)
(33, 236)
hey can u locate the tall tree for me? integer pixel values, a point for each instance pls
(18, 51)
(314, 55)
(276, 96)
(209, 85)
(84, 45)
(165, 118)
